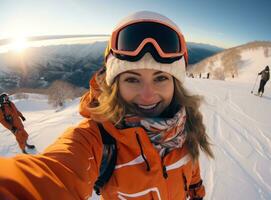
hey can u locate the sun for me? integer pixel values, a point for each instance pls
(19, 44)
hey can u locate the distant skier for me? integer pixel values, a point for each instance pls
(265, 77)
(11, 118)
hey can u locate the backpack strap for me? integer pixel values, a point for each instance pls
(108, 160)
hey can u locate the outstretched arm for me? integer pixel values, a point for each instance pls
(66, 170)
(260, 72)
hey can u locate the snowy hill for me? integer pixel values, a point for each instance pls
(243, 62)
(237, 122)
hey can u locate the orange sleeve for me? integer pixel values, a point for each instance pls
(66, 170)
(7, 195)
(196, 188)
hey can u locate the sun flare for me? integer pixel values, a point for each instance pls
(19, 44)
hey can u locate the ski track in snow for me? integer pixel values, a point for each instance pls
(229, 123)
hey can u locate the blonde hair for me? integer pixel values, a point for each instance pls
(108, 106)
(197, 137)
(111, 107)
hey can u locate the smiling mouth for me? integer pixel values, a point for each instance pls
(147, 108)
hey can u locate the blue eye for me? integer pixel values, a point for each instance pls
(161, 78)
(131, 80)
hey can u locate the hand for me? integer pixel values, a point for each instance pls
(23, 118)
(13, 129)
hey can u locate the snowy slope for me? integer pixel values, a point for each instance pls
(250, 63)
(239, 126)
(237, 122)
(253, 61)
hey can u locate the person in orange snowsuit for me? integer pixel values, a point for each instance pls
(138, 98)
(10, 117)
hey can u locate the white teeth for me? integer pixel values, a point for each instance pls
(147, 107)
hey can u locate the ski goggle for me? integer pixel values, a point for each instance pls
(130, 39)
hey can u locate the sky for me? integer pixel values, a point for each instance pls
(224, 23)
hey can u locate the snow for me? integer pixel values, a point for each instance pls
(237, 122)
(253, 61)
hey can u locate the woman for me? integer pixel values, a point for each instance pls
(138, 98)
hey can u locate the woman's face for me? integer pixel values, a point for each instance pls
(148, 92)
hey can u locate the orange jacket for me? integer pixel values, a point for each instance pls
(11, 110)
(69, 167)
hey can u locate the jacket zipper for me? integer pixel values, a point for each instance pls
(185, 185)
(164, 169)
(165, 175)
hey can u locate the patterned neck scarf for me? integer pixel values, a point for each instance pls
(165, 134)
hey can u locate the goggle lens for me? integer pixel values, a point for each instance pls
(129, 38)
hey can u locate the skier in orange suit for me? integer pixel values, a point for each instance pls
(10, 117)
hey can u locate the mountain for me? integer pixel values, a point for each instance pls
(243, 61)
(38, 67)
(199, 51)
